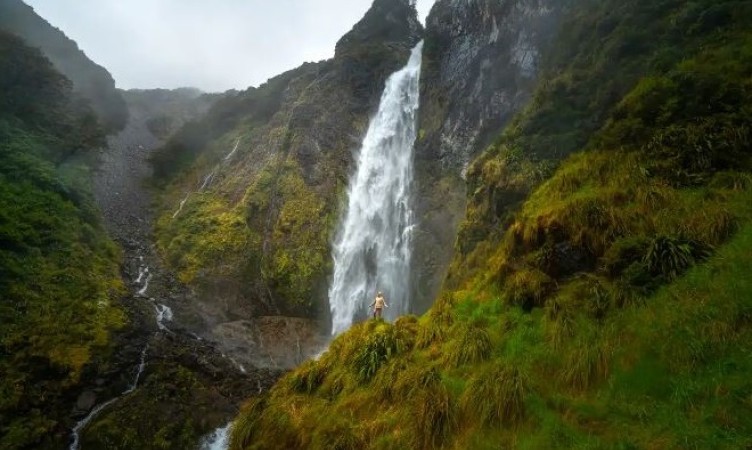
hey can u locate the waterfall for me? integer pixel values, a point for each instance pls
(182, 204)
(145, 287)
(208, 179)
(164, 314)
(373, 246)
(217, 440)
(233, 151)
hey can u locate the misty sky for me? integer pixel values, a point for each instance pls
(214, 46)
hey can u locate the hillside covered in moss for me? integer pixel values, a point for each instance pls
(59, 277)
(599, 295)
(252, 191)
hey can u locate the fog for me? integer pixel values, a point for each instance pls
(214, 46)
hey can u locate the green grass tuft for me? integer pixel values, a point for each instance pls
(496, 396)
(472, 345)
(307, 378)
(246, 424)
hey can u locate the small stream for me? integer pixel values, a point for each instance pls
(76, 432)
(208, 179)
(163, 313)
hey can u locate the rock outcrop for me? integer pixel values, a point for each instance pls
(481, 62)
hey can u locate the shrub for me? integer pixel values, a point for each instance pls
(430, 333)
(712, 224)
(440, 318)
(386, 382)
(407, 328)
(735, 181)
(336, 433)
(587, 362)
(528, 288)
(560, 322)
(414, 378)
(623, 253)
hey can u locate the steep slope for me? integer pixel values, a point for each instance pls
(266, 170)
(59, 278)
(122, 181)
(598, 297)
(91, 81)
(482, 60)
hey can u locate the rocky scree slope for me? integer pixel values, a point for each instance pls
(91, 82)
(187, 386)
(255, 188)
(599, 295)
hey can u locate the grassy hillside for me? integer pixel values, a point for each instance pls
(600, 296)
(58, 270)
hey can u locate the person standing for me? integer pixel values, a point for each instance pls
(378, 305)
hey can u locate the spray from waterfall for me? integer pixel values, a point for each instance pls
(373, 247)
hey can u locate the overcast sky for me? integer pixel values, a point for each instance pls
(214, 46)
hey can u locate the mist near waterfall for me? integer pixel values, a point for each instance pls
(373, 248)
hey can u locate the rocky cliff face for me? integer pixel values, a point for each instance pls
(481, 61)
(90, 81)
(265, 172)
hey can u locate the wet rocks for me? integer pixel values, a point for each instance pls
(481, 61)
(86, 401)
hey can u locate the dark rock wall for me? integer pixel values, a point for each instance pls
(481, 60)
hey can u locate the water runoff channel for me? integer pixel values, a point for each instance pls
(162, 314)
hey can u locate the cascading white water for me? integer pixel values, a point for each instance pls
(145, 287)
(217, 440)
(164, 314)
(182, 204)
(373, 247)
(233, 151)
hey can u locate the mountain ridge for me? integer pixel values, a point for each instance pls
(90, 80)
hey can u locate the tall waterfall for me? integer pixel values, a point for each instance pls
(373, 246)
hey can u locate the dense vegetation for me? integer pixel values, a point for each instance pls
(58, 270)
(600, 296)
